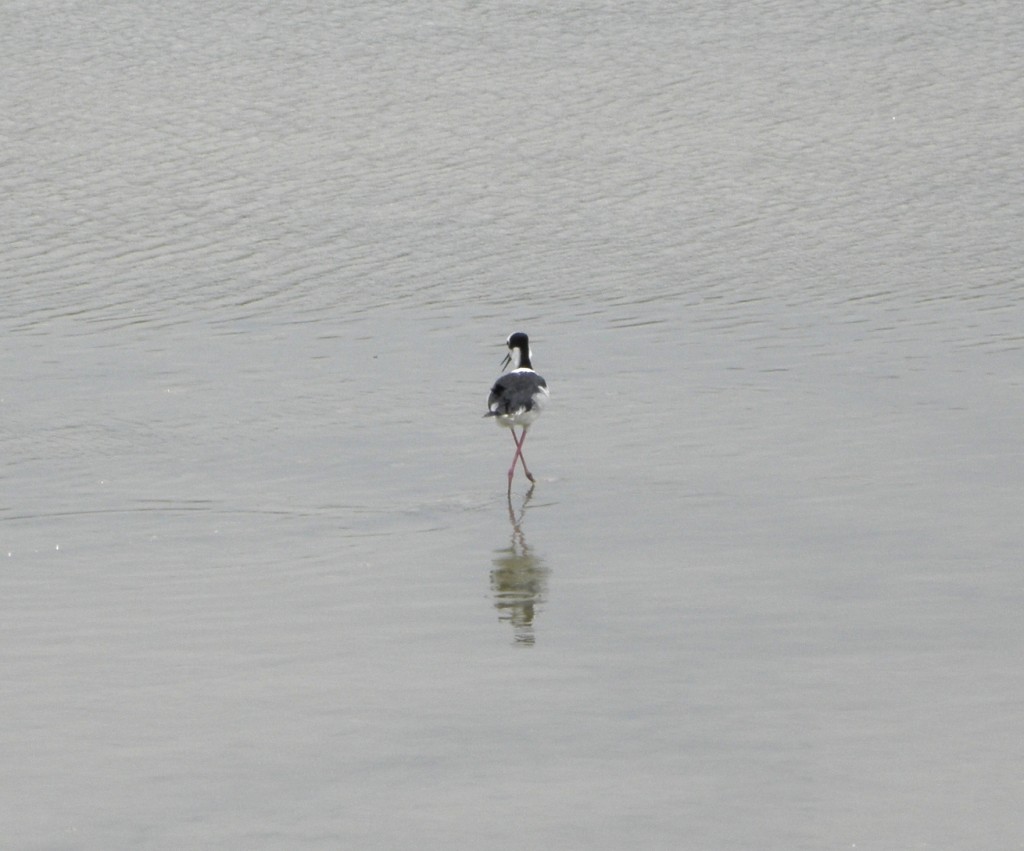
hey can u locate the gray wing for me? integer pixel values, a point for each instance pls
(514, 392)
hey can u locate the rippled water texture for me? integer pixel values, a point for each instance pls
(260, 584)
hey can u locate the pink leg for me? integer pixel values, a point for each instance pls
(519, 455)
(512, 469)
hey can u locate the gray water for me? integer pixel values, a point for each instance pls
(261, 585)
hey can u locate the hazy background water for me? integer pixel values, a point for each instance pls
(261, 586)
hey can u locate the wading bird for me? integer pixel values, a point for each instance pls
(517, 397)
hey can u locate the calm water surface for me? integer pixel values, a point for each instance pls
(260, 585)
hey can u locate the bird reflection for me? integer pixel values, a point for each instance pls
(519, 579)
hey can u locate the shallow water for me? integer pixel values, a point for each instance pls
(261, 584)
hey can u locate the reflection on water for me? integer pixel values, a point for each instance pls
(519, 578)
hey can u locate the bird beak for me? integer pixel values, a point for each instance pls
(507, 361)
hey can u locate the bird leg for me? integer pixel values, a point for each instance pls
(519, 455)
(512, 469)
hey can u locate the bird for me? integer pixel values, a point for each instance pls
(517, 397)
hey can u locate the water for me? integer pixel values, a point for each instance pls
(261, 585)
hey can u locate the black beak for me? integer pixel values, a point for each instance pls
(507, 361)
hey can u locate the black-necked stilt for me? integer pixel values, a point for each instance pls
(517, 397)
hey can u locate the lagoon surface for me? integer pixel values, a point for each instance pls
(260, 583)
